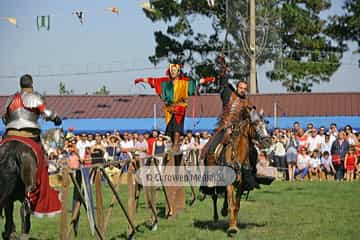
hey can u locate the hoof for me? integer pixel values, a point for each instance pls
(216, 218)
(192, 201)
(224, 212)
(24, 237)
(232, 230)
(202, 197)
(131, 236)
(154, 227)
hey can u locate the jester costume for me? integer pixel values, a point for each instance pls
(174, 90)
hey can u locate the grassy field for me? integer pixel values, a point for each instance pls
(300, 210)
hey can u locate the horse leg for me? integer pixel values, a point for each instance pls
(232, 217)
(237, 205)
(9, 221)
(224, 210)
(214, 198)
(25, 211)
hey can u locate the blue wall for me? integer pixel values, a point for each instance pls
(198, 124)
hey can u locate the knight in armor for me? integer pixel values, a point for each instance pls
(229, 95)
(24, 108)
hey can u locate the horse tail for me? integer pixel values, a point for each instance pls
(9, 170)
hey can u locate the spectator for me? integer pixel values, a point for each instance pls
(326, 145)
(112, 148)
(302, 139)
(113, 173)
(339, 149)
(309, 128)
(314, 140)
(97, 150)
(333, 132)
(263, 166)
(279, 152)
(151, 141)
(314, 164)
(82, 144)
(141, 145)
(326, 166)
(87, 157)
(91, 139)
(189, 134)
(321, 135)
(350, 163)
(204, 138)
(350, 137)
(296, 127)
(302, 164)
(291, 156)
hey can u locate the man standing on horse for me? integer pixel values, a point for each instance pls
(23, 110)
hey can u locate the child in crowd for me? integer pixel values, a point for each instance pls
(314, 164)
(327, 168)
(350, 163)
(302, 163)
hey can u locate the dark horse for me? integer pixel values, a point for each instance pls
(236, 153)
(18, 167)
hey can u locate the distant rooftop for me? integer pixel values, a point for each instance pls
(142, 106)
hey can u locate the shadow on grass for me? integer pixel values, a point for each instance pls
(223, 225)
(270, 192)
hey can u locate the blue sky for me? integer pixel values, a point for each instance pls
(105, 42)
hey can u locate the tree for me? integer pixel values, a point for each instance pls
(103, 91)
(347, 26)
(63, 90)
(307, 54)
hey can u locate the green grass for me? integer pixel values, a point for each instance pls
(300, 210)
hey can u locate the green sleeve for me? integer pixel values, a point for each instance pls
(192, 87)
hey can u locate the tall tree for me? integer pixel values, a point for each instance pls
(347, 27)
(103, 91)
(307, 54)
(63, 90)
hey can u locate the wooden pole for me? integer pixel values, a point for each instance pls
(82, 198)
(99, 202)
(64, 196)
(253, 83)
(119, 201)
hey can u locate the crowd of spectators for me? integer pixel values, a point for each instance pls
(310, 153)
(315, 153)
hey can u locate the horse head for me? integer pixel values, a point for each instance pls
(258, 124)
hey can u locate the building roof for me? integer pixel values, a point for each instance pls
(144, 106)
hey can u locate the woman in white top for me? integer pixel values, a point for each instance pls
(302, 163)
(315, 164)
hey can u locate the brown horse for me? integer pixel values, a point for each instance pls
(237, 154)
(18, 167)
(248, 127)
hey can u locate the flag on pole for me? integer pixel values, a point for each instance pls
(113, 9)
(80, 15)
(89, 202)
(43, 22)
(11, 20)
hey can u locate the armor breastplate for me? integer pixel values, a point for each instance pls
(22, 110)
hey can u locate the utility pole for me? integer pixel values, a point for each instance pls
(252, 40)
